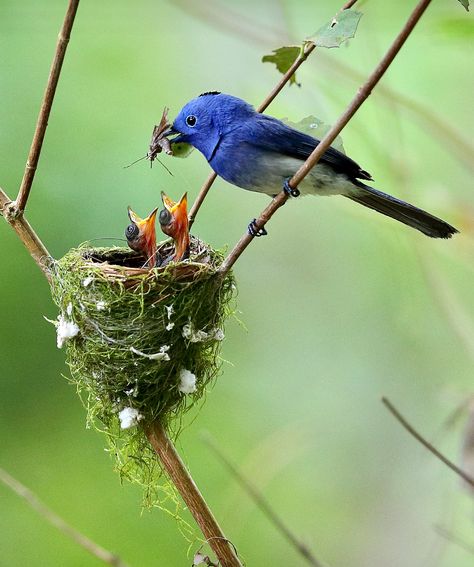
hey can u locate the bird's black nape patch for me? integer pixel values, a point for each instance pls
(210, 93)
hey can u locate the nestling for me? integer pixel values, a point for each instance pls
(141, 236)
(174, 222)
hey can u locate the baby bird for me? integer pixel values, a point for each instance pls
(174, 222)
(141, 236)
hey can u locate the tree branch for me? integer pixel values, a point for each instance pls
(264, 505)
(26, 234)
(51, 517)
(309, 48)
(191, 495)
(430, 122)
(361, 95)
(453, 538)
(13, 214)
(425, 443)
(42, 123)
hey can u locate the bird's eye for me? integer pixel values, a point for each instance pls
(191, 120)
(165, 217)
(131, 231)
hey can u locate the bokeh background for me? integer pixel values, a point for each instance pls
(340, 306)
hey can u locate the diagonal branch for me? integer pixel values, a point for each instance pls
(264, 505)
(166, 452)
(42, 123)
(26, 234)
(192, 497)
(49, 515)
(308, 48)
(469, 479)
(361, 95)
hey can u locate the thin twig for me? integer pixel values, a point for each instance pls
(426, 443)
(13, 213)
(450, 306)
(26, 234)
(51, 516)
(308, 48)
(264, 505)
(453, 538)
(443, 132)
(35, 150)
(361, 95)
(191, 495)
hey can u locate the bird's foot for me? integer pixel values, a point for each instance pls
(255, 231)
(289, 190)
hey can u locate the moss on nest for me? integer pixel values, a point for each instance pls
(140, 334)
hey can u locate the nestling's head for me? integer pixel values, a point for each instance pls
(141, 235)
(174, 222)
(203, 120)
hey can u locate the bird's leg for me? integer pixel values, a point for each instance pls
(255, 231)
(289, 190)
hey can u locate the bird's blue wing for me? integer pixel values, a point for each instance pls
(272, 135)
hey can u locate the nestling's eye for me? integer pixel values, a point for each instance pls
(131, 231)
(165, 217)
(191, 120)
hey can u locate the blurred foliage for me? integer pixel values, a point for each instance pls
(341, 305)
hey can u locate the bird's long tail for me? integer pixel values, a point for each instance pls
(401, 211)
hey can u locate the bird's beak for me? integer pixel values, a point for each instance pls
(146, 239)
(180, 233)
(170, 131)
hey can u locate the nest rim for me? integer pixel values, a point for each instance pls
(125, 265)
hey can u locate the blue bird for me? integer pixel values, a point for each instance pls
(260, 153)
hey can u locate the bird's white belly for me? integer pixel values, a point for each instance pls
(322, 180)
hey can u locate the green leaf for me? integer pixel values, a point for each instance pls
(284, 57)
(315, 128)
(181, 149)
(465, 3)
(338, 30)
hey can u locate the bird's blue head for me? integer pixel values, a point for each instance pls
(205, 119)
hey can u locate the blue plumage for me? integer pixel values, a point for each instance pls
(258, 153)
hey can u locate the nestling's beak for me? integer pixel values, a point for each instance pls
(174, 222)
(141, 235)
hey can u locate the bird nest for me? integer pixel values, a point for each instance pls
(142, 344)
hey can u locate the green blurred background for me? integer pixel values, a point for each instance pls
(341, 306)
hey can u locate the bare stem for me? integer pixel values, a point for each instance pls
(51, 516)
(191, 495)
(426, 443)
(42, 123)
(26, 234)
(361, 95)
(453, 538)
(13, 214)
(264, 505)
(225, 19)
(308, 48)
